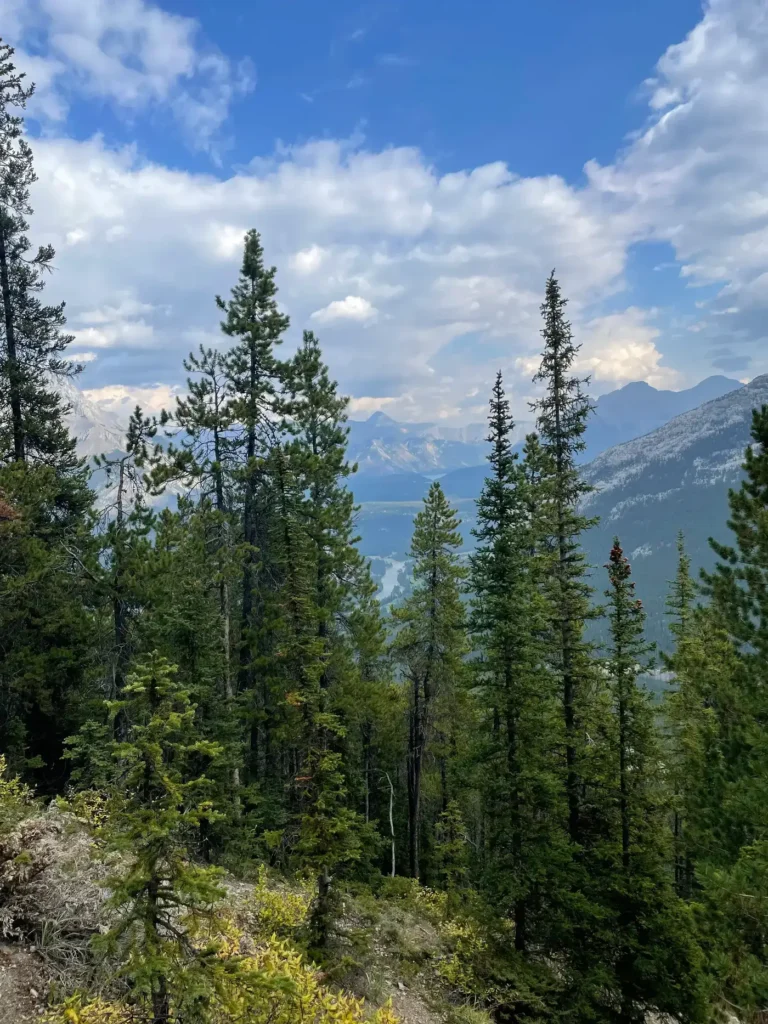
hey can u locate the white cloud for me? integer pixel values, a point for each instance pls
(133, 334)
(80, 357)
(307, 261)
(114, 326)
(120, 400)
(227, 241)
(697, 176)
(446, 271)
(621, 347)
(130, 53)
(367, 404)
(354, 307)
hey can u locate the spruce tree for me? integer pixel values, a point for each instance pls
(125, 543)
(47, 623)
(508, 623)
(733, 866)
(562, 414)
(253, 319)
(430, 644)
(33, 343)
(683, 708)
(324, 590)
(180, 619)
(644, 933)
(204, 460)
(159, 896)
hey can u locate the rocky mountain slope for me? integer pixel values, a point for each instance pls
(97, 431)
(676, 477)
(638, 408)
(396, 461)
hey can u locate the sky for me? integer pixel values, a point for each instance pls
(416, 171)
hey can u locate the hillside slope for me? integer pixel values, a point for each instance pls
(676, 477)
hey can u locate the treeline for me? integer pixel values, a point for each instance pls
(222, 665)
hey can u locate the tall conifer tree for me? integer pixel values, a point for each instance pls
(509, 624)
(430, 643)
(734, 863)
(33, 344)
(562, 414)
(253, 319)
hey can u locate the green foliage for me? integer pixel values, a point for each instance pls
(45, 622)
(159, 894)
(519, 779)
(720, 711)
(584, 865)
(429, 645)
(562, 418)
(16, 799)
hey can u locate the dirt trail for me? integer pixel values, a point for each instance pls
(20, 1001)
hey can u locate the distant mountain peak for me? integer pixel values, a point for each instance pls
(95, 429)
(637, 385)
(381, 418)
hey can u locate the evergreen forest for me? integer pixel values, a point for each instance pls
(198, 683)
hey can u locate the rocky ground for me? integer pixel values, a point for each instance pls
(22, 995)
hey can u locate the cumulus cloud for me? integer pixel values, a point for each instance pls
(365, 405)
(354, 307)
(307, 261)
(444, 270)
(621, 347)
(120, 401)
(131, 53)
(697, 176)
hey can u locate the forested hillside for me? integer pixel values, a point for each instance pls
(265, 784)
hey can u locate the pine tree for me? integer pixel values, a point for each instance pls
(33, 345)
(430, 643)
(683, 708)
(682, 595)
(125, 540)
(509, 622)
(160, 895)
(316, 418)
(733, 862)
(204, 460)
(44, 604)
(47, 624)
(562, 418)
(324, 600)
(253, 318)
(180, 619)
(646, 933)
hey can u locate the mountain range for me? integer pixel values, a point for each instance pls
(660, 461)
(397, 461)
(675, 478)
(646, 489)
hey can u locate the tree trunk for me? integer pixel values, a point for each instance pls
(623, 777)
(415, 753)
(513, 767)
(14, 382)
(120, 612)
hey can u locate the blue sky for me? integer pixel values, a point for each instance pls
(416, 169)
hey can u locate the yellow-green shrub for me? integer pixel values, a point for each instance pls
(467, 946)
(431, 902)
(271, 984)
(277, 911)
(16, 799)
